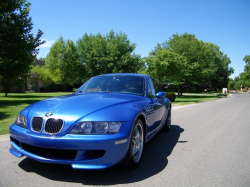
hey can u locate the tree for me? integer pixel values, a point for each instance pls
(200, 67)
(73, 70)
(247, 69)
(54, 60)
(112, 53)
(245, 76)
(204, 61)
(63, 63)
(221, 75)
(18, 46)
(44, 74)
(237, 83)
(166, 66)
(245, 79)
(231, 84)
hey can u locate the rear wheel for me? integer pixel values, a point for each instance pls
(167, 124)
(134, 155)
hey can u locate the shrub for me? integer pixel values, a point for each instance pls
(171, 96)
(221, 94)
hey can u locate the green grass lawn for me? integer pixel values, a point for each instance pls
(11, 106)
(191, 98)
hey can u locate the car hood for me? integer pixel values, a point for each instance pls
(73, 107)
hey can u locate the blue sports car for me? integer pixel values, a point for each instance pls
(105, 122)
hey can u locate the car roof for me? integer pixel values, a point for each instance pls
(125, 74)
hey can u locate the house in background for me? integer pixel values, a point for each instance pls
(33, 82)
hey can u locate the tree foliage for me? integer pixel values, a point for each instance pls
(182, 60)
(247, 66)
(73, 69)
(166, 65)
(44, 74)
(243, 80)
(204, 59)
(63, 63)
(231, 84)
(245, 76)
(189, 61)
(220, 77)
(55, 60)
(70, 64)
(18, 45)
(112, 53)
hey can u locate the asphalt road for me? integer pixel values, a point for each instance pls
(208, 145)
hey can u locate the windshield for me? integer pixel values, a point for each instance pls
(116, 84)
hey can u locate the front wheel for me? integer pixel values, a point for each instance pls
(134, 155)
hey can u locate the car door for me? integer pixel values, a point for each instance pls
(159, 104)
(156, 105)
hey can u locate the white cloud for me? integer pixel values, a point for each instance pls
(48, 43)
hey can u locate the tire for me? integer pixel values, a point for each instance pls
(134, 154)
(167, 124)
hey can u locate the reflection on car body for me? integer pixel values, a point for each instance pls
(105, 122)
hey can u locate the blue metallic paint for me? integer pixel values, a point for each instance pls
(90, 107)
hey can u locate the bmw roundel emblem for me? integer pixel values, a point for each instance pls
(49, 114)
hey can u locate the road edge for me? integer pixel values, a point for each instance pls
(4, 137)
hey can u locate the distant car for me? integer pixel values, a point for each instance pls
(105, 122)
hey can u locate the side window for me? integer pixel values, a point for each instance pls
(151, 90)
(156, 86)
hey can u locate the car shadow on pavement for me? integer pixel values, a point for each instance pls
(154, 161)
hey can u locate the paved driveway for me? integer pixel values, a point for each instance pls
(208, 145)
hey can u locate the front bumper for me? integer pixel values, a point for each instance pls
(79, 151)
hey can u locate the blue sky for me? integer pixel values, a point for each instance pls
(148, 22)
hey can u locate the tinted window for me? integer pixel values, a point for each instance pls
(116, 84)
(156, 86)
(151, 90)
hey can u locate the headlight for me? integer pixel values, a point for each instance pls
(21, 121)
(96, 128)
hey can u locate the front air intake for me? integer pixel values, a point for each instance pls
(37, 123)
(53, 126)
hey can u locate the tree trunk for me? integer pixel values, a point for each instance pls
(6, 88)
(179, 90)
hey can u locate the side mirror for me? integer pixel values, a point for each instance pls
(159, 95)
